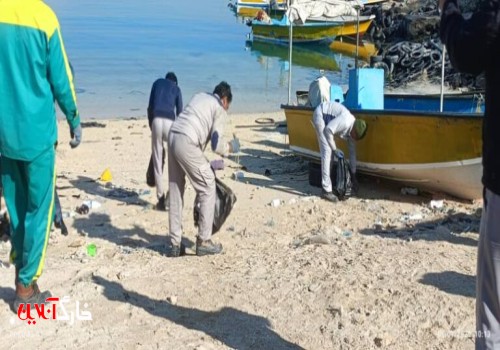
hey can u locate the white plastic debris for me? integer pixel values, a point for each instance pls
(436, 204)
(275, 203)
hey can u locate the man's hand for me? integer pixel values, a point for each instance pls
(76, 136)
(339, 154)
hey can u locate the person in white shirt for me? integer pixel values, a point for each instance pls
(331, 119)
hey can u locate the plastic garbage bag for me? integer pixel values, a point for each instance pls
(150, 173)
(224, 202)
(342, 179)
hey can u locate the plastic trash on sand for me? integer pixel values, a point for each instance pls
(106, 175)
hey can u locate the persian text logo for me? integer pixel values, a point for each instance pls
(54, 308)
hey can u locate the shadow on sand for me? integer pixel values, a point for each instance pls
(234, 328)
(452, 282)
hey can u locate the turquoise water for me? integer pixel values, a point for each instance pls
(118, 48)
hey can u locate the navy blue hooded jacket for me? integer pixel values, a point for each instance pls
(165, 100)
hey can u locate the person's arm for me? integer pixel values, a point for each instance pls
(151, 105)
(352, 153)
(61, 79)
(467, 41)
(217, 141)
(178, 107)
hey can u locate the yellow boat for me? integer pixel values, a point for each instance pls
(430, 150)
(312, 31)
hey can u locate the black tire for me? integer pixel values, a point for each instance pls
(384, 66)
(436, 56)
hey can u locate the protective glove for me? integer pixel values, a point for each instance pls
(339, 154)
(217, 164)
(234, 145)
(76, 136)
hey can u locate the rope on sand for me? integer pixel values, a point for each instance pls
(265, 121)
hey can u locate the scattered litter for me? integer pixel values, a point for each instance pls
(318, 239)
(412, 217)
(275, 203)
(436, 204)
(292, 201)
(172, 299)
(91, 249)
(92, 204)
(121, 193)
(144, 192)
(347, 234)
(82, 209)
(106, 175)
(409, 191)
(68, 214)
(79, 242)
(238, 175)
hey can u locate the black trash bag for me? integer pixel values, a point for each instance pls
(342, 179)
(224, 202)
(150, 173)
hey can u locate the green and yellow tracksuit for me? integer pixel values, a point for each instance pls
(34, 71)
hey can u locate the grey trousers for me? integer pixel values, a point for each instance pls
(159, 134)
(326, 151)
(186, 158)
(488, 275)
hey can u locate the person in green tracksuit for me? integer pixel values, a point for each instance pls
(34, 71)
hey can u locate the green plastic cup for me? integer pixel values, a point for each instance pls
(91, 249)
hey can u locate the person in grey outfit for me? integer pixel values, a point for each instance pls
(334, 119)
(165, 104)
(201, 123)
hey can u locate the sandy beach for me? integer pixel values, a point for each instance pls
(382, 270)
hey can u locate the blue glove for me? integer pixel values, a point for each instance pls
(339, 154)
(234, 145)
(76, 136)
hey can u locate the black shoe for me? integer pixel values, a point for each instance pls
(162, 204)
(176, 251)
(207, 247)
(329, 196)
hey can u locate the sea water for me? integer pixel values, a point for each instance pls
(118, 49)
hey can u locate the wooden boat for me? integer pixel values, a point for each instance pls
(311, 56)
(261, 4)
(311, 31)
(437, 151)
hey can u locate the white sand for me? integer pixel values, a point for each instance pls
(277, 285)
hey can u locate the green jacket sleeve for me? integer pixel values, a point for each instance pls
(61, 79)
